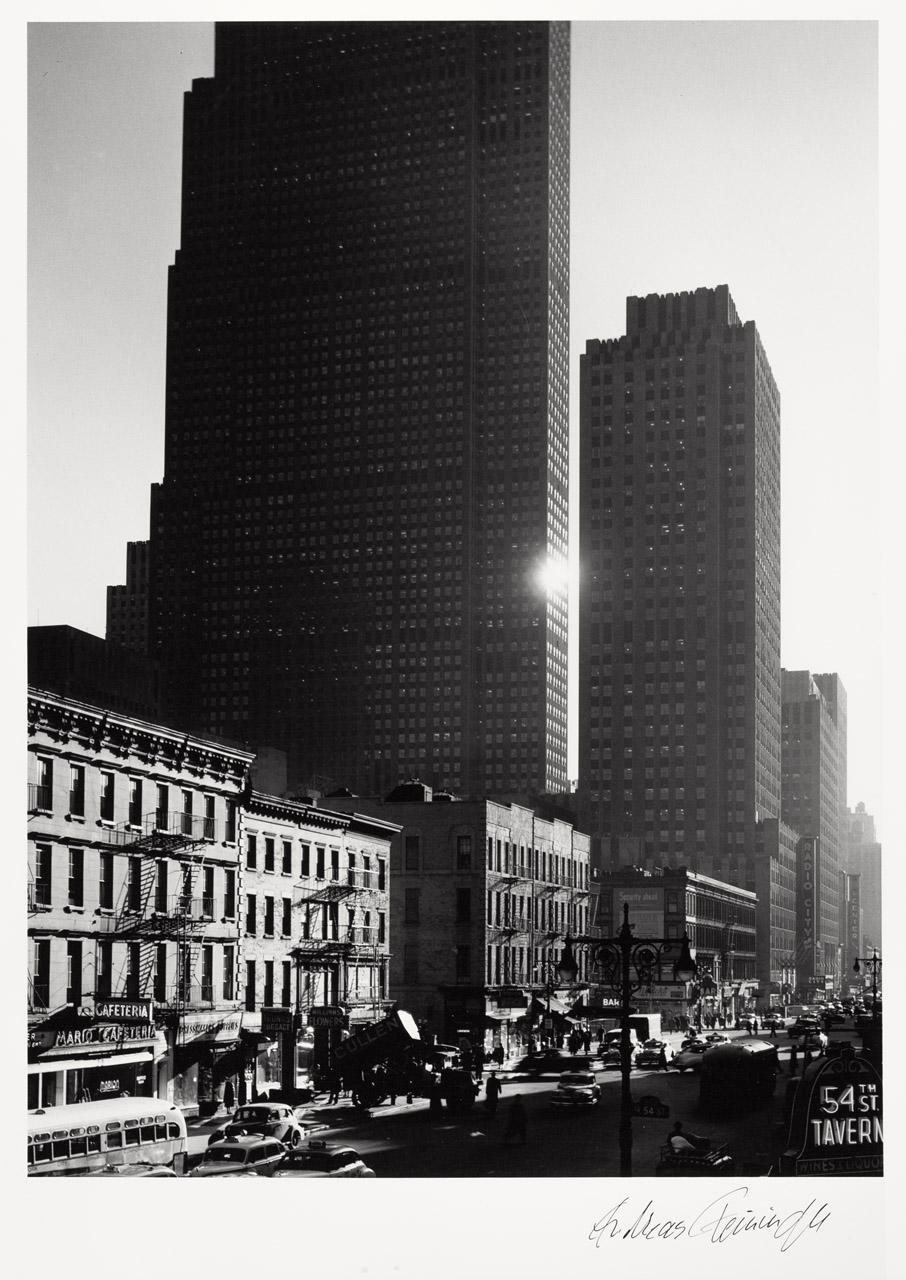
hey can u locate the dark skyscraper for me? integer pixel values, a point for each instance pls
(679, 731)
(365, 488)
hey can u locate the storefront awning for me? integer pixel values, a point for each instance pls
(493, 1016)
(98, 1053)
(254, 1039)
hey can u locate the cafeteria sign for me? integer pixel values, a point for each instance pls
(835, 1127)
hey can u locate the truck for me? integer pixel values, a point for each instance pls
(642, 1027)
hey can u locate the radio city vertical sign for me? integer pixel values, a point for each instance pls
(837, 1118)
(806, 905)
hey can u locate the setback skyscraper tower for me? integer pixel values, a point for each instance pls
(357, 547)
(679, 732)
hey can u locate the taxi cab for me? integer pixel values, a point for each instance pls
(323, 1160)
(240, 1155)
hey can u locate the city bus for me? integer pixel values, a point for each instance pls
(84, 1137)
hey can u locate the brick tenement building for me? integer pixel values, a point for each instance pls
(132, 905)
(315, 931)
(482, 898)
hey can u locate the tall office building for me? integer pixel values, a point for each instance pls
(127, 604)
(679, 647)
(814, 800)
(358, 542)
(860, 855)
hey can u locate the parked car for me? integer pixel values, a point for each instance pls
(650, 1053)
(240, 1154)
(576, 1089)
(323, 1160)
(268, 1120)
(690, 1058)
(715, 1037)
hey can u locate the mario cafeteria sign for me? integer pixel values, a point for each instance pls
(835, 1127)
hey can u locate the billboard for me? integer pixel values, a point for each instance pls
(646, 911)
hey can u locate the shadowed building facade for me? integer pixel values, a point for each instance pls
(679, 648)
(357, 546)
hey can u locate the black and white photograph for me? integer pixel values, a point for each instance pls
(455, 610)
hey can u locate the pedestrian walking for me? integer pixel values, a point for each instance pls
(662, 1059)
(478, 1063)
(754, 1026)
(498, 1054)
(333, 1086)
(793, 1058)
(229, 1094)
(492, 1093)
(515, 1124)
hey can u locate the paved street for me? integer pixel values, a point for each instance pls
(400, 1141)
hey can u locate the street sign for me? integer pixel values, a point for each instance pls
(650, 1106)
(327, 1016)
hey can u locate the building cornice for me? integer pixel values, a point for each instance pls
(96, 729)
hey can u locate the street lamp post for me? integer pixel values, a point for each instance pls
(875, 962)
(628, 964)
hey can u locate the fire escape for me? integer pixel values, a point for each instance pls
(146, 915)
(337, 945)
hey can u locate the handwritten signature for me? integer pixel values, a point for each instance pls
(723, 1219)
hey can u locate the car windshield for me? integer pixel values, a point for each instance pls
(226, 1155)
(577, 1077)
(255, 1115)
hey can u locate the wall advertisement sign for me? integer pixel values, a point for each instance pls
(807, 859)
(646, 911)
(209, 1025)
(836, 1123)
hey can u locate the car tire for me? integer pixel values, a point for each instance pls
(295, 1139)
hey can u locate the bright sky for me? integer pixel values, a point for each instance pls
(702, 153)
